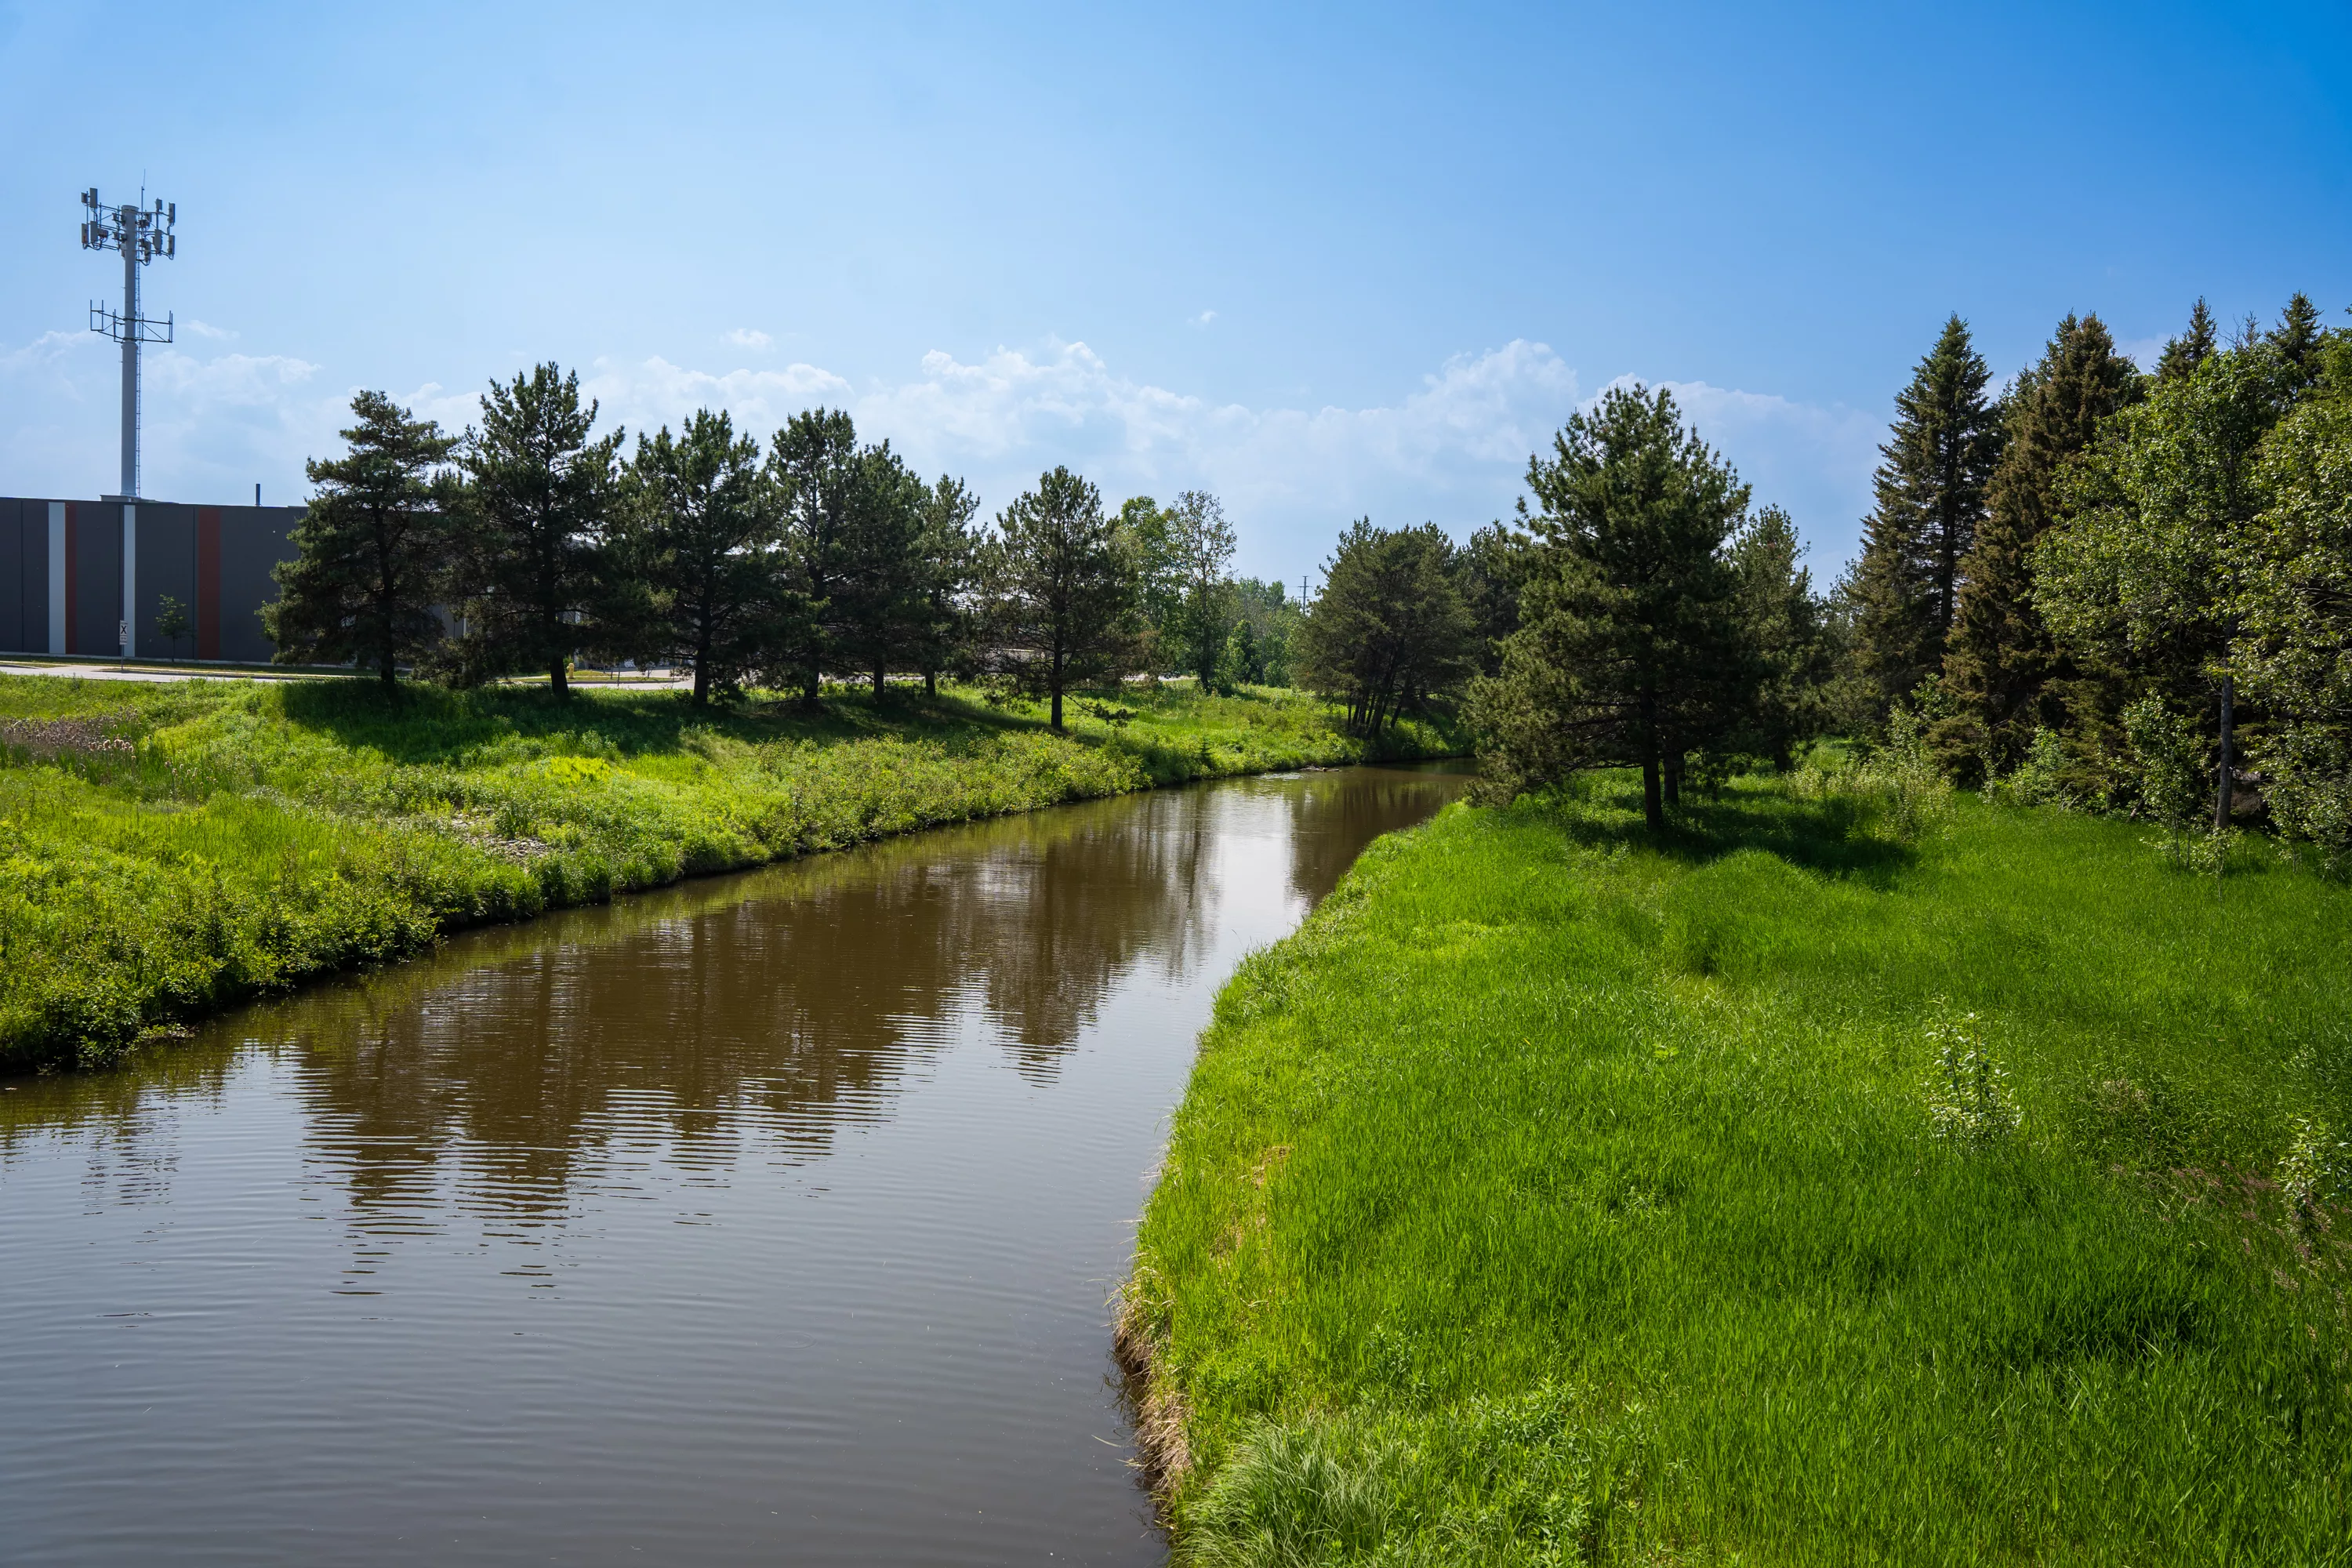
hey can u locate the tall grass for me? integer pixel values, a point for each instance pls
(1810, 1186)
(167, 849)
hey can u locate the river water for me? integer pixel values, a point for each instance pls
(767, 1219)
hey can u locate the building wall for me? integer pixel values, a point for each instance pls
(215, 560)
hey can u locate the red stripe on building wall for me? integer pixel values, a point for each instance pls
(208, 582)
(72, 627)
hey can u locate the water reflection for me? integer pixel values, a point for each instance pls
(806, 1065)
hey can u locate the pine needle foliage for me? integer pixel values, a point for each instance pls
(529, 568)
(372, 548)
(1631, 649)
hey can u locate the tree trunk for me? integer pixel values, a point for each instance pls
(930, 683)
(1058, 701)
(2225, 783)
(701, 678)
(388, 672)
(557, 678)
(879, 677)
(1671, 766)
(1653, 809)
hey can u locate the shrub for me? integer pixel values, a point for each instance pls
(1968, 1101)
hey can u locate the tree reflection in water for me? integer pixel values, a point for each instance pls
(745, 1016)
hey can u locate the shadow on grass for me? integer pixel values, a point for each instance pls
(1825, 835)
(430, 725)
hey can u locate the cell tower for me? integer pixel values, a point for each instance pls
(141, 235)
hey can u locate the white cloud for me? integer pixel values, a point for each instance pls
(207, 329)
(1453, 449)
(750, 338)
(1813, 460)
(1204, 318)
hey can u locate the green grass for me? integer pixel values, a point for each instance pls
(178, 847)
(1555, 1195)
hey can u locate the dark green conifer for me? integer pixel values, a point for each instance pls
(371, 549)
(2191, 348)
(2000, 659)
(529, 572)
(1938, 457)
(2296, 340)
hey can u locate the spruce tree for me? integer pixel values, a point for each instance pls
(2001, 660)
(1781, 622)
(530, 559)
(2192, 348)
(1937, 460)
(701, 534)
(372, 547)
(2297, 338)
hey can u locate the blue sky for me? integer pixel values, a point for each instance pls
(1324, 261)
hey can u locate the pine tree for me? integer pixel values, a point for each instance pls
(530, 559)
(1061, 589)
(878, 611)
(1938, 457)
(2000, 659)
(1631, 649)
(2192, 348)
(371, 548)
(1492, 567)
(813, 465)
(946, 560)
(1389, 629)
(701, 534)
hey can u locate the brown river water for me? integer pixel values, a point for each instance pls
(767, 1219)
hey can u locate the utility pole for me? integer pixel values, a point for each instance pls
(141, 235)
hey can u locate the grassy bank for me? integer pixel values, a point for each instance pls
(168, 849)
(1558, 1196)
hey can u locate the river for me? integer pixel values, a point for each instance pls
(766, 1219)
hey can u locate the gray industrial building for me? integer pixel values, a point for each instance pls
(75, 575)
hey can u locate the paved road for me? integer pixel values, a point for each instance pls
(149, 672)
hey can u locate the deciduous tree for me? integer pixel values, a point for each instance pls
(1201, 544)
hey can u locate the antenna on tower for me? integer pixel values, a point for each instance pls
(141, 234)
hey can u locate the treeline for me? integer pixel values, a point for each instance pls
(531, 541)
(2125, 590)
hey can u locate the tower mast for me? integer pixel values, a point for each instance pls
(141, 234)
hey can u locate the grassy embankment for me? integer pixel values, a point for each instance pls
(1556, 1195)
(168, 849)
